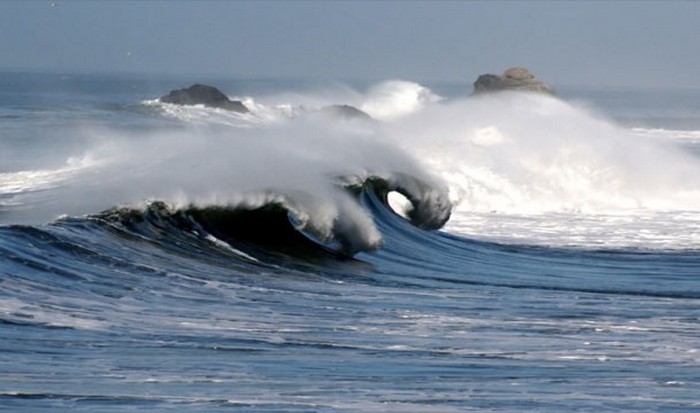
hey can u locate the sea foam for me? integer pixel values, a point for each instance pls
(506, 159)
(539, 164)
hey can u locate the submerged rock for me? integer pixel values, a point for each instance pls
(203, 95)
(515, 78)
(345, 112)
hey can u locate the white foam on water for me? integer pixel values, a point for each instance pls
(535, 169)
(519, 167)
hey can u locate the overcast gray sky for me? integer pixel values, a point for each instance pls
(566, 43)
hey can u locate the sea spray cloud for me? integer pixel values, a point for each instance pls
(396, 98)
(527, 153)
(301, 163)
(518, 155)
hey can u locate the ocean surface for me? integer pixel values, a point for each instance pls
(496, 253)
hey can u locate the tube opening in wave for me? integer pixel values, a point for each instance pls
(290, 225)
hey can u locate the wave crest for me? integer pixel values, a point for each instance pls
(297, 221)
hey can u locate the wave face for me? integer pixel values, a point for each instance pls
(305, 165)
(493, 253)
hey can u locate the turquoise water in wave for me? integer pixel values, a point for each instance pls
(145, 310)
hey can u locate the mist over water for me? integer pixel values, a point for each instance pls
(221, 159)
(561, 173)
(507, 159)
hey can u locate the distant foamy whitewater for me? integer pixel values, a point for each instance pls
(559, 173)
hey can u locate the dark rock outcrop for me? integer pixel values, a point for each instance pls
(345, 112)
(203, 95)
(515, 78)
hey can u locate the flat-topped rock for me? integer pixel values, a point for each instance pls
(208, 96)
(515, 78)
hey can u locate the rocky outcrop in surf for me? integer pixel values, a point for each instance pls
(515, 78)
(209, 96)
(345, 112)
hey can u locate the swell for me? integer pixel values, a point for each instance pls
(444, 260)
(109, 254)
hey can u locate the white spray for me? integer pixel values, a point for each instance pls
(519, 167)
(533, 168)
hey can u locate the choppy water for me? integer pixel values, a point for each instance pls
(148, 262)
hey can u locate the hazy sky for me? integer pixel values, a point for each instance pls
(564, 43)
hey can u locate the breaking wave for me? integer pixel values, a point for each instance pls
(495, 161)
